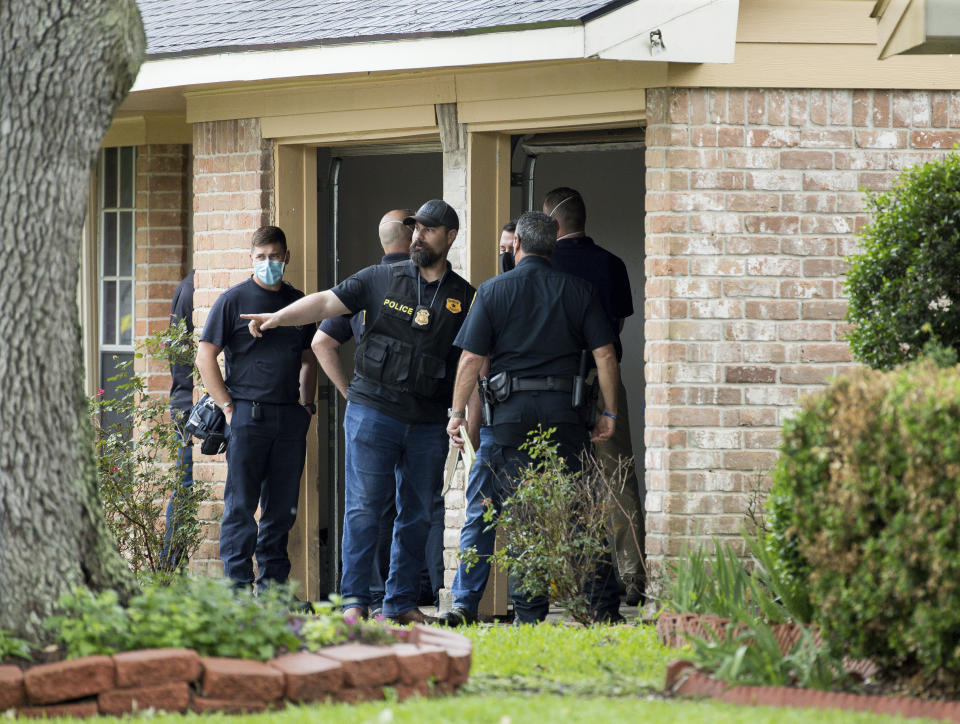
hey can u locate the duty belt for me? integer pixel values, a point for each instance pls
(541, 384)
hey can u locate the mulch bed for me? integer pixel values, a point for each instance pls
(430, 662)
(685, 680)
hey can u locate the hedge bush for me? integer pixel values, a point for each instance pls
(904, 288)
(865, 507)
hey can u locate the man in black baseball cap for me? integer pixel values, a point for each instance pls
(435, 212)
(397, 402)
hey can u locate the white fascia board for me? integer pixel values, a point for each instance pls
(416, 53)
(694, 31)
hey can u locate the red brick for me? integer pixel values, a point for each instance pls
(202, 705)
(884, 138)
(76, 709)
(806, 159)
(421, 662)
(65, 680)
(771, 224)
(736, 375)
(421, 689)
(12, 692)
(309, 677)
(163, 697)
(365, 665)
(241, 679)
(773, 138)
(772, 310)
(824, 310)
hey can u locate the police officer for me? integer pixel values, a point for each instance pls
(395, 238)
(531, 324)
(267, 398)
(578, 254)
(397, 401)
(181, 401)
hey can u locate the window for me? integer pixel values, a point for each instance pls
(116, 260)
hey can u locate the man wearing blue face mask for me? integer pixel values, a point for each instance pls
(267, 398)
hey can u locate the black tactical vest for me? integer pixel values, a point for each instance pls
(411, 363)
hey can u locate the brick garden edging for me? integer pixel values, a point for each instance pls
(432, 661)
(683, 679)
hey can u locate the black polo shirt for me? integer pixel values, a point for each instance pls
(581, 257)
(533, 322)
(265, 369)
(352, 325)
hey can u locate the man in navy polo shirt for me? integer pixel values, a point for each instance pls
(397, 402)
(267, 398)
(577, 254)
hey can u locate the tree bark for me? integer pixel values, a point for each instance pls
(65, 66)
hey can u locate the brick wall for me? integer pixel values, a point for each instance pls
(753, 202)
(163, 228)
(233, 184)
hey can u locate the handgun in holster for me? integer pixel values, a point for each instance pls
(486, 400)
(585, 390)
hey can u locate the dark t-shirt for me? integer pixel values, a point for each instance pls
(581, 257)
(265, 369)
(181, 391)
(534, 321)
(352, 325)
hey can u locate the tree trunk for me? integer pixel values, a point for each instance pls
(65, 66)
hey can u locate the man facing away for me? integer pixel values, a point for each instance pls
(395, 238)
(396, 403)
(530, 324)
(267, 398)
(577, 254)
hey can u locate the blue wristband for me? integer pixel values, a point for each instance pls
(607, 414)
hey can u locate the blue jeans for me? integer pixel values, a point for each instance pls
(378, 447)
(493, 478)
(264, 462)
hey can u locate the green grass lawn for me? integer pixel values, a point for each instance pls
(552, 673)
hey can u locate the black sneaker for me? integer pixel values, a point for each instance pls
(457, 616)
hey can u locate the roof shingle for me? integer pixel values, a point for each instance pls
(190, 27)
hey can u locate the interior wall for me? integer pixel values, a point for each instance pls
(612, 186)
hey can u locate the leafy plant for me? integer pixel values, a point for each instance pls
(553, 527)
(866, 515)
(328, 627)
(904, 287)
(11, 646)
(749, 653)
(137, 469)
(207, 615)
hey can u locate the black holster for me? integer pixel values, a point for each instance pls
(486, 400)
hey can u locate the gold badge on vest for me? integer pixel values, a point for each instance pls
(453, 305)
(421, 317)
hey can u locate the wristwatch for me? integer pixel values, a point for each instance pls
(311, 408)
(451, 413)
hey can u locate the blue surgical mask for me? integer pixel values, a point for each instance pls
(269, 272)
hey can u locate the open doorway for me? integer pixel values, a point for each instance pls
(357, 185)
(608, 169)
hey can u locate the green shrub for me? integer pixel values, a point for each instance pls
(553, 527)
(137, 468)
(865, 509)
(207, 615)
(904, 285)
